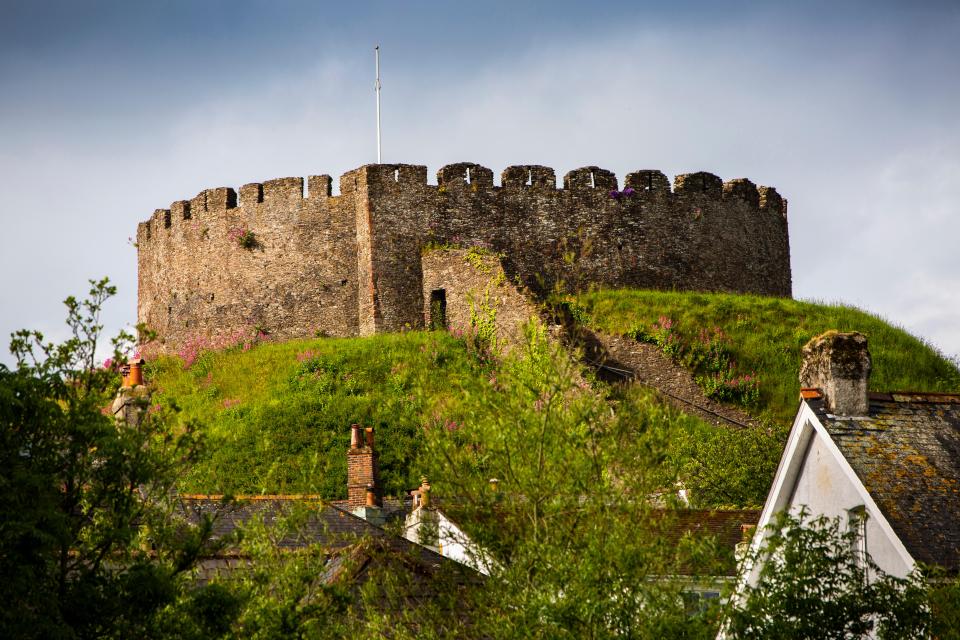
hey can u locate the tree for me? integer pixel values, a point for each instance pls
(813, 583)
(577, 546)
(88, 547)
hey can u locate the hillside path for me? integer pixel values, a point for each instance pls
(645, 363)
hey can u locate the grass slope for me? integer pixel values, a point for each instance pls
(767, 334)
(276, 417)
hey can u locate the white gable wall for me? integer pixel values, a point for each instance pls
(824, 485)
(813, 472)
(451, 542)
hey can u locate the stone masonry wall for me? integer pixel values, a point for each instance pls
(300, 278)
(350, 264)
(476, 291)
(701, 235)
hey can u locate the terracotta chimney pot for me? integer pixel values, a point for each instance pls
(371, 496)
(135, 376)
(356, 441)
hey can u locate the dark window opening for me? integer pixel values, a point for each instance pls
(438, 309)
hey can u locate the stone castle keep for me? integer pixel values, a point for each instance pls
(299, 265)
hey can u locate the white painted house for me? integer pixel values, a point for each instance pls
(887, 464)
(430, 527)
(423, 524)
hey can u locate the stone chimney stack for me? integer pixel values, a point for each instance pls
(362, 468)
(838, 364)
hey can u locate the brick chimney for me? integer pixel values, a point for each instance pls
(362, 468)
(838, 364)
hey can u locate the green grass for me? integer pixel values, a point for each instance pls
(767, 334)
(276, 418)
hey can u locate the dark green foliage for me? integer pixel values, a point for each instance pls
(86, 545)
(944, 600)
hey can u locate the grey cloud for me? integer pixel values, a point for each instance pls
(868, 160)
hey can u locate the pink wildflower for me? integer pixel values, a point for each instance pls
(452, 426)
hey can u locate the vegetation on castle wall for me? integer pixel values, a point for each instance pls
(765, 335)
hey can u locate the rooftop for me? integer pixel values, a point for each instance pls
(317, 523)
(906, 452)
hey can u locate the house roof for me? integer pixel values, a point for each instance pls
(725, 526)
(317, 523)
(906, 453)
(393, 508)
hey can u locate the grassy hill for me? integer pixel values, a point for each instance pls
(764, 336)
(276, 417)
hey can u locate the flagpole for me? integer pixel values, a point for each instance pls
(377, 88)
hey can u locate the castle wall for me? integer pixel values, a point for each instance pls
(299, 279)
(478, 297)
(350, 264)
(701, 235)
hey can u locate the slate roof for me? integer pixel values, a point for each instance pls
(393, 508)
(907, 455)
(726, 526)
(334, 528)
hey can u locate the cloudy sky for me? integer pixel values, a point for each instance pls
(852, 110)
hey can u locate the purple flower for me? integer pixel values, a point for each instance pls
(629, 191)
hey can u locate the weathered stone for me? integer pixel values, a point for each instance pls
(468, 291)
(839, 365)
(130, 405)
(350, 264)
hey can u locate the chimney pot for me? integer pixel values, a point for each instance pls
(136, 373)
(370, 437)
(424, 492)
(371, 496)
(839, 365)
(355, 439)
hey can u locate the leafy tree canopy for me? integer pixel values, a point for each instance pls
(87, 546)
(813, 582)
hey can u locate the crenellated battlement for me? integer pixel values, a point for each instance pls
(469, 177)
(314, 262)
